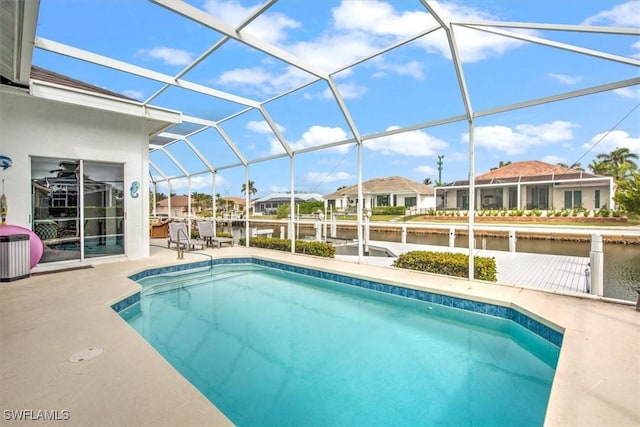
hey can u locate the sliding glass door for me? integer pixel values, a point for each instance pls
(103, 201)
(78, 208)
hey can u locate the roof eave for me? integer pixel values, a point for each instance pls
(158, 119)
(18, 41)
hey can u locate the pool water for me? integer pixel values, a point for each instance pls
(270, 347)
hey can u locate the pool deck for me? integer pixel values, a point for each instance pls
(47, 318)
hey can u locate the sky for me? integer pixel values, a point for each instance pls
(410, 88)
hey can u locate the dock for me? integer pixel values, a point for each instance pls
(551, 273)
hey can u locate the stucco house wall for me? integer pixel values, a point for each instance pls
(31, 126)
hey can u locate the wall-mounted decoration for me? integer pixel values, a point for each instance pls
(133, 190)
(6, 162)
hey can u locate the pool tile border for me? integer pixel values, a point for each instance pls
(509, 313)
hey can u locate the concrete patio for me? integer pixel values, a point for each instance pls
(47, 318)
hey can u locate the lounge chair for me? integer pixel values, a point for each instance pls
(205, 230)
(159, 227)
(179, 235)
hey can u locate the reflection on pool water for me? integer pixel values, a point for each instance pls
(275, 347)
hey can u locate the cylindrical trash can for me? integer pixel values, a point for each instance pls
(14, 257)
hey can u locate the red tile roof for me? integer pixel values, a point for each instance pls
(529, 170)
(176, 201)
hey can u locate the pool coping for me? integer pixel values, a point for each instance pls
(47, 318)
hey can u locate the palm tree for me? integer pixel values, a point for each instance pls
(427, 181)
(67, 169)
(600, 168)
(620, 162)
(200, 200)
(252, 189)
(500, 165)
(577, 166)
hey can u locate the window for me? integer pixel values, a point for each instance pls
(597, 200)
(513, 198)
(410, 202)
(539, 198)
(572, 199)
(382, 200)
(462, 199)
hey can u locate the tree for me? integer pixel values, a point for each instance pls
(577, 166)
(620, 163)
(628, 193)
(200, 200)
(600, 168)
(252, 189)
(500, 165)
(427, 181)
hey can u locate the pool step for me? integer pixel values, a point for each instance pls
(192, 281)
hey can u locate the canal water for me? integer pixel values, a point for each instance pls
(621, 262)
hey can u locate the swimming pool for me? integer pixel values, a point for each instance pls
(274, 347)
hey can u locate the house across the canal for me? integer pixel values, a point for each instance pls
(530, 185)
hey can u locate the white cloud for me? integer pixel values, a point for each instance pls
(381, 22)
(347, 91)
(270, 27)
(521, 138)
(168, 55)
(135, 94)
(624, 15)
(629, 92)
(279, 189)
(426, 170)
(608, 142)
(320, 135)
(413, 143)
(554, 159)
(565, 79)
(377, 17)
(198, 182)
(259, 80)
(357, 30)
(636, 47)
(262, 127)
(413, 69)
(328, 177)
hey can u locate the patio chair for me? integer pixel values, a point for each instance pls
(179, 235)
(205, 229)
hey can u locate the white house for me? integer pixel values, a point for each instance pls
(269, 204)
(389, 191)
(530, 185)
(79, 176)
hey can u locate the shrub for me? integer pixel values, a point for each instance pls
(447, 263)
(604, 212)
(308, 247)
(389, 210)
(304, 208)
